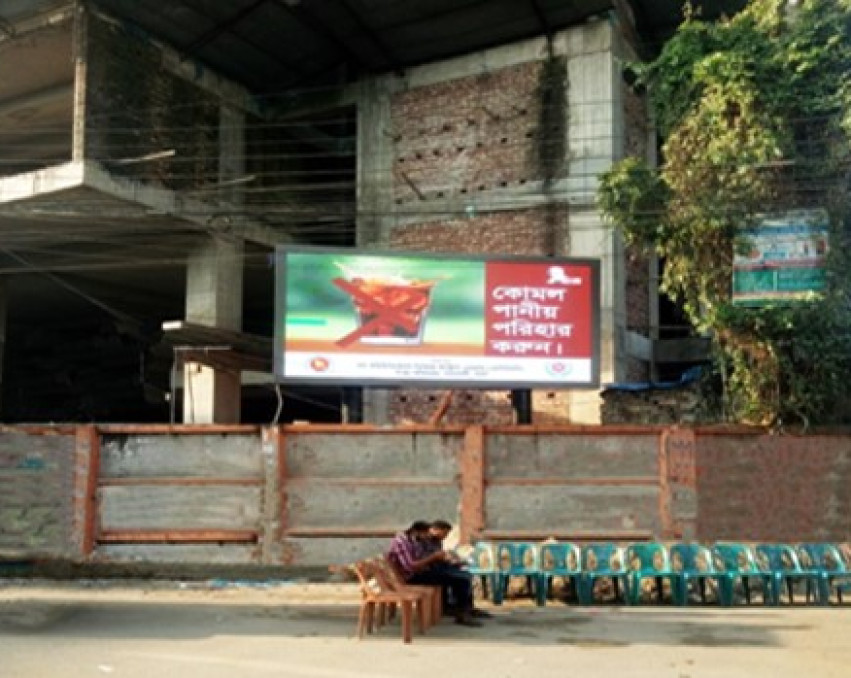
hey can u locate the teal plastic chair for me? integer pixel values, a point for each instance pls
(558, 560)
(517, 559)
(651, 560)
(481, 563)
(696, 563)
(740, 563)
(831, 570)
(598, 561)
(782, 561)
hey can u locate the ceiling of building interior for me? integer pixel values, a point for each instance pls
(274, 45)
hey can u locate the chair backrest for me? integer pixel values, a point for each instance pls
(822, 556)
(482, 559)
(561, 558)
(648, 557)
(603, 559)
(695, 559)
(518, 557)
(777, 558)
(736, 557)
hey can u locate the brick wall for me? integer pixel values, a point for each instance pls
(773, 488)
(485, 139)
(479, 135)
(637, 264)
(637, 307)
(135, 107)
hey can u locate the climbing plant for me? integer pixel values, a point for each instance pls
(754, 113)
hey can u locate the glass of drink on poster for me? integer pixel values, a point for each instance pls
(390, 310)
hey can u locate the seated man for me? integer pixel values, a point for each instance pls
(437, 533)
(415, 567)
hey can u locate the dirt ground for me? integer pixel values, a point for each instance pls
(292, 630)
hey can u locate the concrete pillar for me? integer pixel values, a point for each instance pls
(375, 197)
(214, 278)
(78, 133)
(595, 140)
(213, 298)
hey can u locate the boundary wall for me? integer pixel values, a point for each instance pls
(314, 495)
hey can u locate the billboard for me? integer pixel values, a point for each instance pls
(394, 319)
(784, 259)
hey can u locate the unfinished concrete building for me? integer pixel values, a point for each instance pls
(155, 153)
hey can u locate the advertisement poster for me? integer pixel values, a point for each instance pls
(403, 319)
(785, 259)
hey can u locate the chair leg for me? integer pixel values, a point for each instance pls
(365, 617)
(790, 588)
(746, 585)
(407, 635)
(542, 588)
(422, 615)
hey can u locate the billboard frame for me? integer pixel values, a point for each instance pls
(280, 303)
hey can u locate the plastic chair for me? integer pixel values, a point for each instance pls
(482, 563)
(833, 572)
(740, 563)
(517, 559)
(598, 561)
(558, 560)
(782, 561)
(695, 562)
(650, 560)
(395, 582)
(378, 601)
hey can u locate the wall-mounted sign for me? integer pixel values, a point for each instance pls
(784, 259)
(417, 319)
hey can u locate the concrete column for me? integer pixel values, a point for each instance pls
(78, 134)
(375, 197)
(214, 278)
(595, 140)
(213, 298)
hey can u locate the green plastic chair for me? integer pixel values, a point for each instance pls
(696, 563)
(827, 562)
(651, 560)
(740, 563)
(518, 559)
(598, 561)
(785, 567)
(482, 563)
(559, 559)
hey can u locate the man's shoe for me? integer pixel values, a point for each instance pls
(481, 614)
(467, 621)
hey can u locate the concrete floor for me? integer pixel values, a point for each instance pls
(149, 629)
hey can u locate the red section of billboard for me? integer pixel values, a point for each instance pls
(538, 309)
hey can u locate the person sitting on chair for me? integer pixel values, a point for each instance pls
(453, 564)
(415, 567)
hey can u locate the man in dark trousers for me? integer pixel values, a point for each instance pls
(452, 565)
(407, 554)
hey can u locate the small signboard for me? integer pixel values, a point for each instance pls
(405, 319)
(784, 260)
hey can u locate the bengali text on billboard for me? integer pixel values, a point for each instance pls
(406, 319)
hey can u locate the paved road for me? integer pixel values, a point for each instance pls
(306, 631)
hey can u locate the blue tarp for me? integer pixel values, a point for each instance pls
(690, 376)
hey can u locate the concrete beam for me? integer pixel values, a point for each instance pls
(37, 99)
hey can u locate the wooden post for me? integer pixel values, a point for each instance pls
(86, 471)
(472, 462)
